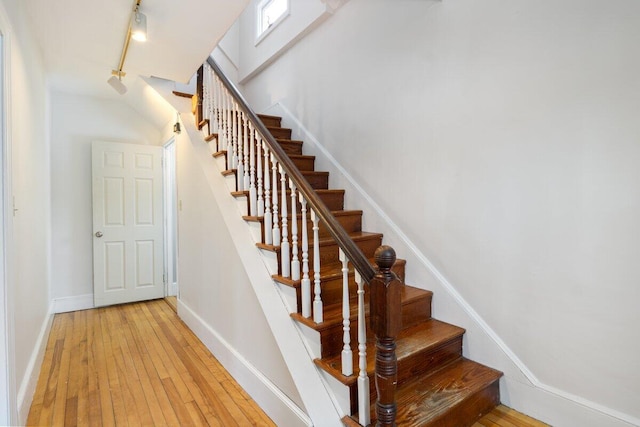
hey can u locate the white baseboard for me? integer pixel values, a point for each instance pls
(75, 303)
(282, 410)
(29, 382)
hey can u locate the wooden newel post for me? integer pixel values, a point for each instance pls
(386, 322)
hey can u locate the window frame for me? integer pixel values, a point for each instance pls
(260, 8)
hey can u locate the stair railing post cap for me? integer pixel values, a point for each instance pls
(385, 257)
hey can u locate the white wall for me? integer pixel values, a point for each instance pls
(29, 231)
(502, 138)
(77, 120)
(212, 280)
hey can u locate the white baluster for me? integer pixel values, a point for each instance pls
(268, 219)
(317, 299)
(235, 134)
(229, 133)
(258, 142)
(227, 126)
(205, 93)
(219, 112)
(363, 378)
(214, 126)
(295, 261)
(209, 97)
(285, 254)
(305, 283)
(253, 202)
(274, 201)
(242, 156)
(248, 159)
(347, 355)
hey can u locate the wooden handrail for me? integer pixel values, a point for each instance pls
(353, 252)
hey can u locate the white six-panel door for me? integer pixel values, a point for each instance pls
(127, 223)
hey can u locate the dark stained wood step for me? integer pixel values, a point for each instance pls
(203, 123)
(279, 132)
(332, 198)
(331, 281)
(290, 146)
(421, 349)
(456, 395)
(270, 121)
(351, 221)
(302, 162)
(416, 304)
(367, 242)
(182, 94)
(318, 180)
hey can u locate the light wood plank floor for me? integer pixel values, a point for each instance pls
(138, 364)
(135, 364)
(503, 416)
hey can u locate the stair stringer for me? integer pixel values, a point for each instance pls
(316, 397)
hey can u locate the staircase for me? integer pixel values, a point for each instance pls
(436, 385)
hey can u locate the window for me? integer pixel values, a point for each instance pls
(270, 14)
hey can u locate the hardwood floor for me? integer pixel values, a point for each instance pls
(503, 416)
(135, 364)
(138, 364)
(173, 303)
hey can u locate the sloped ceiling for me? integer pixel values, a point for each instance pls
(82, 41)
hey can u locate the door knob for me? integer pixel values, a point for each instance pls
(99, 234)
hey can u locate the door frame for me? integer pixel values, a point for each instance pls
(8, 403)
(170, 216)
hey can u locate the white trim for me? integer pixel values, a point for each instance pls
(307, 136)
(260, 33)
(170, 215)
(30, 380)
(74, 303)
(8, 406)
(282, 410)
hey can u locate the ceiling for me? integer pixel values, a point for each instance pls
(81, 41)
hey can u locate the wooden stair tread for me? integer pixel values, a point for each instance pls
(356, 236)
(268, 116)
(182, 94)
(298, 214)
(301, 156)
(421, 338)
(327, 271)
(304, 173)
(320, 191)
(289, 141)
(332, 314)
(203, 123)
(428, 399)
(210, 137)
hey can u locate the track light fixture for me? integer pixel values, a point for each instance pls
(138, 31)
(139, 26)
(116, 82)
